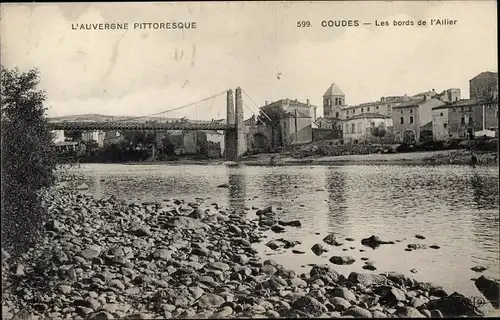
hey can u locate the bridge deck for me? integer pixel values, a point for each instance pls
(137, 126)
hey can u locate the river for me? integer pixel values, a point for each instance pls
(455, 207)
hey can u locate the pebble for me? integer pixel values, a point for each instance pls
(146, 261)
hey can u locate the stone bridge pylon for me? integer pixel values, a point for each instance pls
(235, 139)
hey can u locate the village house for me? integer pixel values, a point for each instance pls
(112, 137)
(358, 128)
(410, 116)
(296, 124)
(465, 118)
(383, 107)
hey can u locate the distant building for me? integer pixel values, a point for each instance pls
(97, 136)
(449, 95)
(66, 146)
(296, 128)
(410, 116)
(58, 136)
(112, 137)
(464, 118)
(334, 103)
(296, 125)
(484, 86)
(383, 107)
(358, 128)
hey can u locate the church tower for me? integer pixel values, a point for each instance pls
(333, 102)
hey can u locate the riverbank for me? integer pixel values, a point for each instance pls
(106, 258)
(446, 157)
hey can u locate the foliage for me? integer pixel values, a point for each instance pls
(28, 162)
(275, 113)
(380, 132)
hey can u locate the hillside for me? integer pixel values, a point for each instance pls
(103, 118)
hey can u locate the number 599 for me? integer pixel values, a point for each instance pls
(303, 24)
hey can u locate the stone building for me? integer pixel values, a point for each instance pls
(294, 127)
(334, 103)
(358, 128)
(383, 107)
(465, 118)
(410, 116)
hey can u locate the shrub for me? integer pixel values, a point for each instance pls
(28, 161)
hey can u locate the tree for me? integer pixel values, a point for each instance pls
(275, 113)
(380, 131)
(28, 158)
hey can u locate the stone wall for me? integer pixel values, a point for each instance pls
(320, 134)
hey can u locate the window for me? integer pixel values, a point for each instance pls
(284, 125)
(470, 109)
(346, 128)
(454, 109)
(353, 130)
(353, 111)
(411, 110)
(411, 119)
(376, 108)
(402, 120)
(470, 120)
(445, 125)
(328, 102)
(462, 120)
(362, 110)
(401, 111)
(368, 109)
(441, 114)
(336, 114)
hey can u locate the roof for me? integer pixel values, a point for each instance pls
(410, 103)
(300, 114)
(467, 103)
(486, 74)
(333, 90)
(369, 116)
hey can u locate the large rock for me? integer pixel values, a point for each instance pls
(374, 242)
(331, 239)
(367, 279)
(342, 293)
(210, 300)
(490, 288)
(325, 272)
(342, 260)
(309, 306)
(293, 223)
(187, 223)
(357, 312)
(409, 312)
(318, 249)
(454, 305)
(394, 296)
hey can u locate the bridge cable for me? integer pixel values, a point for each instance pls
(258, 118)
(260, 110)
(175, 109)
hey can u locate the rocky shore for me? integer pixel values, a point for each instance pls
(109, 259)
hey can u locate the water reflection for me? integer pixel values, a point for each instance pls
(485, 190)
(335, 181)
(237, 192)
(279, 183)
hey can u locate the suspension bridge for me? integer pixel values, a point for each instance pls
(183, 118)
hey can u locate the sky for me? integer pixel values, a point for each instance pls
(243, 44)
